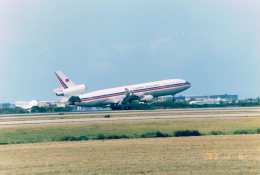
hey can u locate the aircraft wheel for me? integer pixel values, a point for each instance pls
(116, 108)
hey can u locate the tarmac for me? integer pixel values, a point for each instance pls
(127, 116)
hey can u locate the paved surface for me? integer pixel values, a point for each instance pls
(202, 111)
(227, 114)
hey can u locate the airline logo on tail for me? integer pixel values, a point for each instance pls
(69, 88)
(64, 80)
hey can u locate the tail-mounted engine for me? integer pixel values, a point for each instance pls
(76, 90)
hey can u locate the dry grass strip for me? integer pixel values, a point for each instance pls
(222, 154)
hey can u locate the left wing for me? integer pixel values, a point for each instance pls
(130, 97)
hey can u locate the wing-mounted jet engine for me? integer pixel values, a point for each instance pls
(129, 98)
(147, 99)
(142, 98)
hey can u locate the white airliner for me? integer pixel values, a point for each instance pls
(117, 98)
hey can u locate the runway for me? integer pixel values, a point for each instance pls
(127, 112)
(130, 116)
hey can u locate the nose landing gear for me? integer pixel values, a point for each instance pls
(173, 98)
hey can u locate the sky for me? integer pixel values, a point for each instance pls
(215, 45)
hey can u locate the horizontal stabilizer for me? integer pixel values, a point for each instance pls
(57, 90)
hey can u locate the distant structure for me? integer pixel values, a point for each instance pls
(30, 104)
(204, 102)
(213, 97)
(225, 97)
(26, 104)
(5, 105)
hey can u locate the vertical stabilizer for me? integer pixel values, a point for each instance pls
(64, 80)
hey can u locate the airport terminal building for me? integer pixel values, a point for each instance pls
(5, 105)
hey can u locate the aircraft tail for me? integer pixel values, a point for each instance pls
(64, 80)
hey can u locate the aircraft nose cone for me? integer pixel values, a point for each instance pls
(188, 84)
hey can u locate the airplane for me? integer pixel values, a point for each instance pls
(119, 97)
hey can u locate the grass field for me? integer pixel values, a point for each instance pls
(208, 154)
(221, 154)
(131, 129)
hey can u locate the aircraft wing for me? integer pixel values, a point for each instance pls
(130, 97)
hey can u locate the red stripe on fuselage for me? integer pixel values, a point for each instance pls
(135, 92)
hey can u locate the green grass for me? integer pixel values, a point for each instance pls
(241, 132)
(216, 132)
(186, 133)
(125, 130)
(70, 138)
(101, 137)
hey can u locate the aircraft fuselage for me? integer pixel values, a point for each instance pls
(116, 95)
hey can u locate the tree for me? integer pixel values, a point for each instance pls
(192, 99)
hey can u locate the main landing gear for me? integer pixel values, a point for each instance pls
(116, 108)
(128, 107)
(120, 107)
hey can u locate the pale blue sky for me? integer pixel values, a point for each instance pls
(213, 44)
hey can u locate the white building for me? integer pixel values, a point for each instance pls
(204, 102)
(26, 104)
